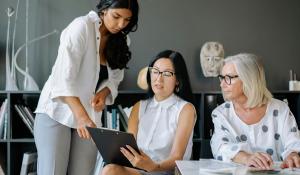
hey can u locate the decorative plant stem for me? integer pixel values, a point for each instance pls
(10, 82)
(31, 85)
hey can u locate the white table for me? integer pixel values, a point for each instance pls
(215, 167)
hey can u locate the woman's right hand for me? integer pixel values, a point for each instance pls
(259, 160)
(82, 122)
(81, 116)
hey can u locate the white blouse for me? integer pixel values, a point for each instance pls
(76, 72)
(276, 133)
(158, 122)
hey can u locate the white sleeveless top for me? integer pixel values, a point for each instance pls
(158, 122)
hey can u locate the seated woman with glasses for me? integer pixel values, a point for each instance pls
(162, 124)
(251, 127)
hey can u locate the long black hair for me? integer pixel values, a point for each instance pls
(184, 85)
(116, 51)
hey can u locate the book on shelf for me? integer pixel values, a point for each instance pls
(1, 170)
(29, 163)
(25, 117)
(104, 117)
(5, 126)
(3, 161)
(3, 120)
(29, 113)
(123, 117)
(116, 119)
(112, 120)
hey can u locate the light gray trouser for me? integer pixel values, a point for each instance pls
(60, 149)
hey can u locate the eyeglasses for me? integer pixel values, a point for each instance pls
(154, 72)
(227, 78)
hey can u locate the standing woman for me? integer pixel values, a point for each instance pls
(85, 77)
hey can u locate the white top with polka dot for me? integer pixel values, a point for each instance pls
(276, 133)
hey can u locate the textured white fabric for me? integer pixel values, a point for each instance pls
(276, 133)
(158, 122)
(76, 72)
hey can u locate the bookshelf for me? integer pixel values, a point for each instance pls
(20, 139)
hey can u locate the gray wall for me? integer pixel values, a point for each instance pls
(268, 28)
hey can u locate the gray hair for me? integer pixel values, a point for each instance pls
(251, 72)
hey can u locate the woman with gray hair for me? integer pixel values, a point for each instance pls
(251, 127)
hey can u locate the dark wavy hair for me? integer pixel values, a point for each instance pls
(116, 51)
(184, 85)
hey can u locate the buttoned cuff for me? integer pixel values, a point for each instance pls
(113, 93)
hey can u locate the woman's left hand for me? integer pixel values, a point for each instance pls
(141, 161)
(98, 101)
(291, 161)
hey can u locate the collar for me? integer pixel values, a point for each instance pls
(166, 103)
(94, 17)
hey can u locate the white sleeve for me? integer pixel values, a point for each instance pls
(114, 79)
(290, 134)
(224, 144)
(69, 58)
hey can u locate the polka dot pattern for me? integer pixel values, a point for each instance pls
(275, 112)
(265, 128)
(227, 105)
(224, 129)
(277, 136)
(238, 139)
(270, 151)
(294, 129)
(243, 138)
(225, 139)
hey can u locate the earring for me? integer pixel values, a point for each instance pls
(177, 88)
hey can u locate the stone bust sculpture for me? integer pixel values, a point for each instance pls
(211, 58)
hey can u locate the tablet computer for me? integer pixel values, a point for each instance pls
(109, 143)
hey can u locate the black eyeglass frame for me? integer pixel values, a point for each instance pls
(163, 73)
(227, 78)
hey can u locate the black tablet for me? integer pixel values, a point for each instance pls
(109, 143)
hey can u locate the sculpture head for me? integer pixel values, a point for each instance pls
(211, 58)
(142, 79)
